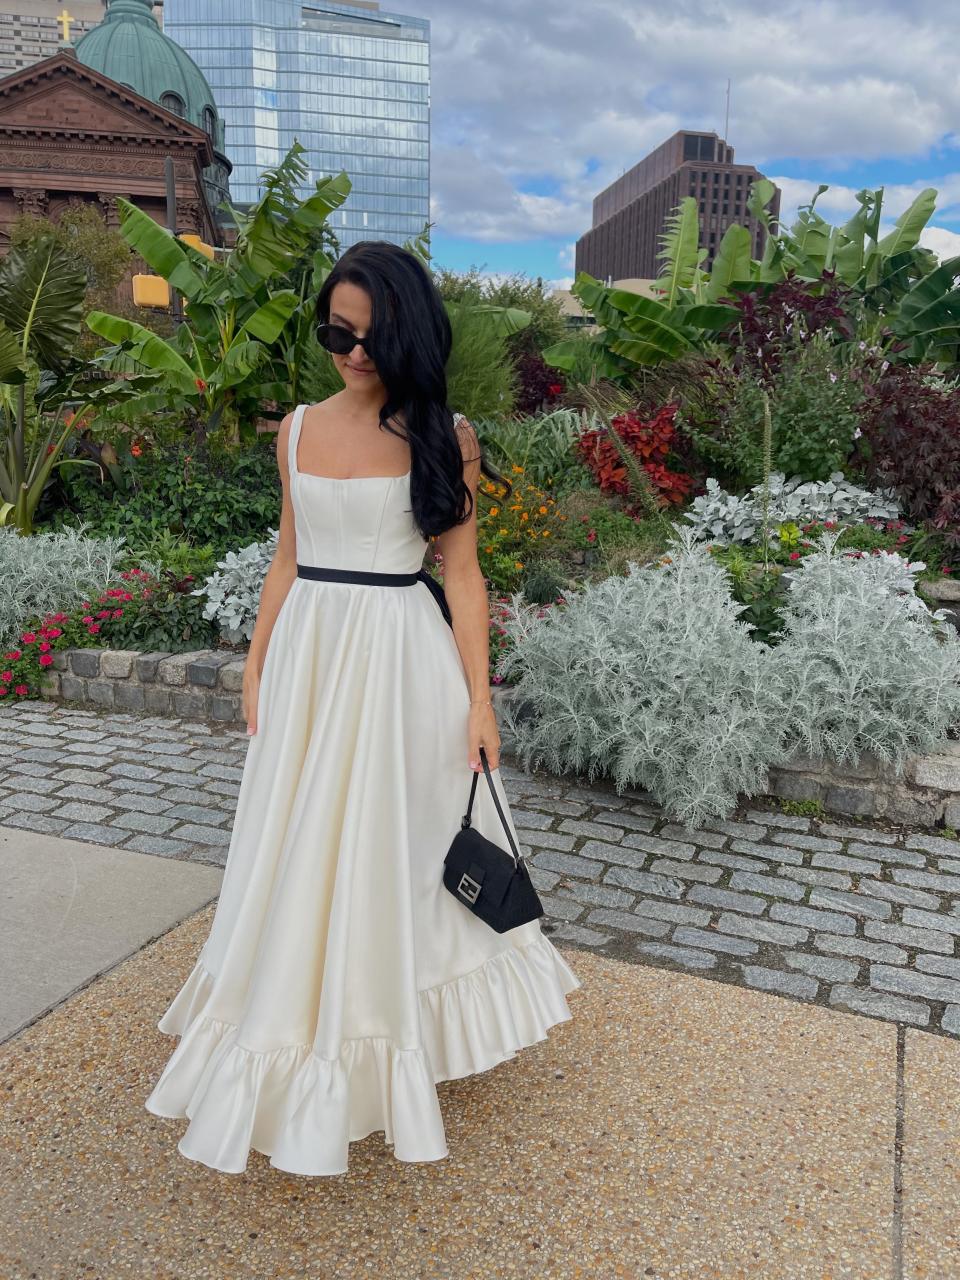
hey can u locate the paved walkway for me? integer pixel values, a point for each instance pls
(748, 1086)
(862, 916)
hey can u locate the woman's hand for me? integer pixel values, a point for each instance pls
(251, 693)
(482, 732)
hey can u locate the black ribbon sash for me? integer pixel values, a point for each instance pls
(373, 578)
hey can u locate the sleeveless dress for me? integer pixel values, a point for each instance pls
(340, 980)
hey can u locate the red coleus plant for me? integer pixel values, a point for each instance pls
(650, 441)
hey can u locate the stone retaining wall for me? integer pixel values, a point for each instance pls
(207, 684)
(204, 684)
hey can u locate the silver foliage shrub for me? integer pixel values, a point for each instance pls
(652, 679)
(50, 572)
(721, 517)
(233, 590)
(864, 665)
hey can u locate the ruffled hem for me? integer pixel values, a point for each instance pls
(303, 1111)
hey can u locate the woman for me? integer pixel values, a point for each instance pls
(341, 980)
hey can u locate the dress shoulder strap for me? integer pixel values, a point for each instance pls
(293, 437)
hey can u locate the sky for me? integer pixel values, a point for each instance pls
(537, 106)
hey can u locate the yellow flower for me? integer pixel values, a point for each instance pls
(546, 533)
(543, 511)
(517, 470)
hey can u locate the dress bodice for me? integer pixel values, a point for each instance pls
(358, 522)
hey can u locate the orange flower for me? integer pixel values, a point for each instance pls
(136, 450)
(201, 385)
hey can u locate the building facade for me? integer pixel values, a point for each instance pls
(349, 81)
(629, 216)
(70, 135)
(129, 47)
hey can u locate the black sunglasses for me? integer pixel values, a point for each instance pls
(341, 341)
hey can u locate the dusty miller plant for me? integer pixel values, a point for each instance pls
(233, 590)
(863, 664)
(650, 678)
(51, 571)
(723, 517)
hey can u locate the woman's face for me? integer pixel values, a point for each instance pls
(350, 308)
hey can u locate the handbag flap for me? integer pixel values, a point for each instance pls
(485, 862)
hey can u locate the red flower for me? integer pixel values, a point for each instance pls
(45, 659)
(136, 450)
(6, 676)
(14, 654)
(21, 689)
(3, 690)
(54, 631)
(794, 555)
(555, 388)
(28, 637)
(201, 385)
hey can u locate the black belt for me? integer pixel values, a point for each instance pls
(380, 580)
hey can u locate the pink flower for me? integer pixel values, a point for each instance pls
(3, 690)
(93, 628)
(13, 655)
(104, 613)
(28, 637)
(118, 613)
(6, 676)
(54, 631)
(45, 659)
(87, 617)
(21, 689)
(44, 646)
(794, 555)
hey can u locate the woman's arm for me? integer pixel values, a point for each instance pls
(466, 592)
(276, 583)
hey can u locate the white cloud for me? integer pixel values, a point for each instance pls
(529, 96)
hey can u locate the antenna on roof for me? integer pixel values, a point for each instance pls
(726, 121)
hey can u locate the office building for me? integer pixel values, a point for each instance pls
(350, 81)
(629, 216)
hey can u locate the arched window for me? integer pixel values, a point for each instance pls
(173, 102)
(210, 123)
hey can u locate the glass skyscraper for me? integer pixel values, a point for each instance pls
(349, 81)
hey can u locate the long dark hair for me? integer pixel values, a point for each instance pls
(410, 340)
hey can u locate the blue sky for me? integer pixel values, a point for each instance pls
(535, 108)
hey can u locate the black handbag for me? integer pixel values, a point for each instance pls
(492, 883)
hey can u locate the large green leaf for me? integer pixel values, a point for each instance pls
(930, 311)
(12, 372)
(267, 321)
(159, 248)
(41, 299)
(733, 262)
(145, 347)
(907, 229)
(504, 320)
(679, 244)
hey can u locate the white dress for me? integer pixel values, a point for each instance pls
(341, 980)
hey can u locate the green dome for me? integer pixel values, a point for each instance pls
(128, 46)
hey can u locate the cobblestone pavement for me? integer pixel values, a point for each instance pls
(860, 916)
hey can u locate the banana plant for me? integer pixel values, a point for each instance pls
(226, 356)
(41, 295)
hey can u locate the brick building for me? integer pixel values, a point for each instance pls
(69, 134)
(629, 216)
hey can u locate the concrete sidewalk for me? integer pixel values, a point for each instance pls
(675, 1127)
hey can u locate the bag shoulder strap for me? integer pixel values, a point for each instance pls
(465, 822)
